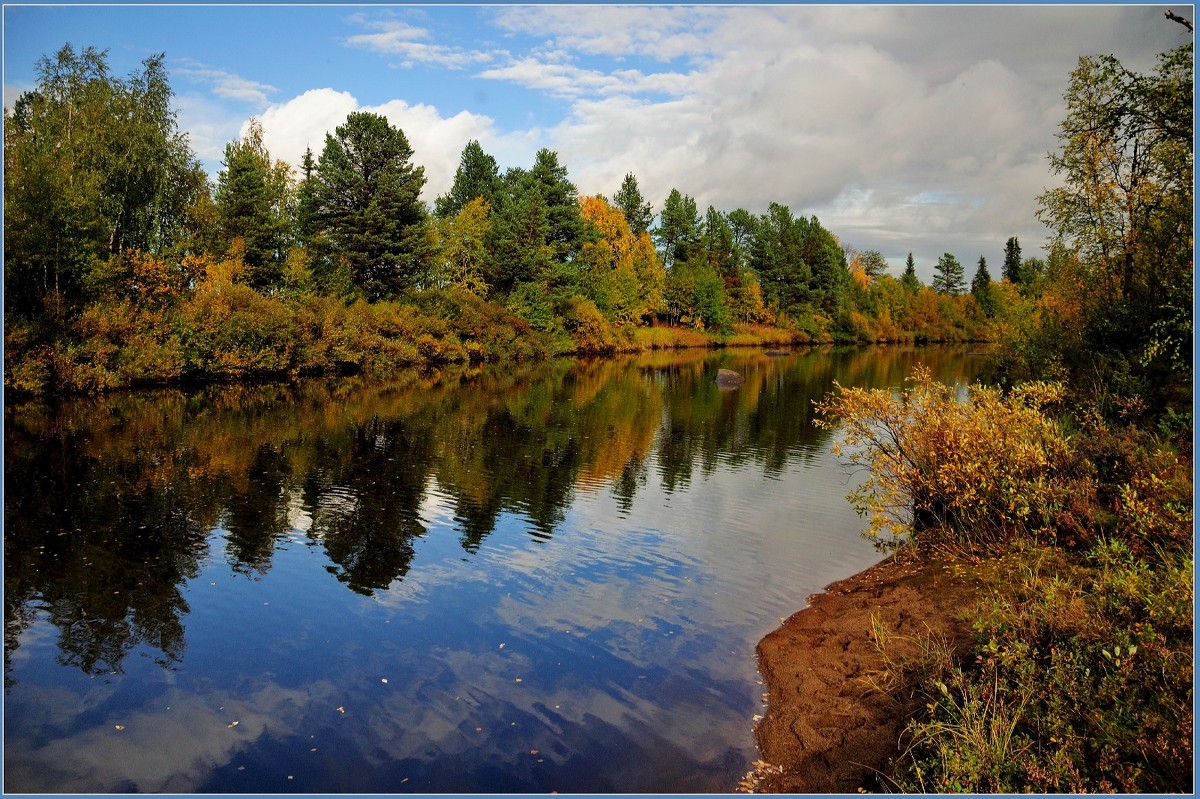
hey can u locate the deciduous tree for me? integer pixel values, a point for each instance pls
(94, 166)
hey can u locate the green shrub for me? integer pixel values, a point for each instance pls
(1082, 682)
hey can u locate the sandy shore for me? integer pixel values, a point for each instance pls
(826, 730)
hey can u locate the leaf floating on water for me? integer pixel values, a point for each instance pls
(234, 723)
(119, 726)
(341, 709)
(404, 780)
(533, 751)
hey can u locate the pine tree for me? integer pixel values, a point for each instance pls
(948, 276)
(369, 200)
(678, 228)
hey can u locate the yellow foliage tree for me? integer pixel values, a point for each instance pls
(621, 271)
(984, 467)
(459, 242)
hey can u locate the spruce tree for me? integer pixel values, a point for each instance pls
(477, 176)
(252, 205)
(1012, 261)
(909, 279)
(630, 200)
(981, 287)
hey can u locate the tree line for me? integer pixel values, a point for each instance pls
(125, 265)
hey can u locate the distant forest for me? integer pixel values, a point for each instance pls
(125, 266)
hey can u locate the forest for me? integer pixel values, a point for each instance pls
(125, 266)
(1064, 482)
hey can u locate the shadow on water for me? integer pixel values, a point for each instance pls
(115, 506)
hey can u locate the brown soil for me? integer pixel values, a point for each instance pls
(827, 730)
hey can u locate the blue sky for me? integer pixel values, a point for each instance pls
(917, 129)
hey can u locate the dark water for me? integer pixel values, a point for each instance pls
(514, 580)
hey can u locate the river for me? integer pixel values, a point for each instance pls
(508, 579)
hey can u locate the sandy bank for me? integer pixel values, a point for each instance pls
(826, 729)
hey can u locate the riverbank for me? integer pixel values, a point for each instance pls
(828, 729)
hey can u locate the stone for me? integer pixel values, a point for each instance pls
(727, 378)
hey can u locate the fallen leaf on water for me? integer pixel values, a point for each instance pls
(341, 709)
(120, 726)
(404, 780)
(234, 723)
(533, 751)
(518, 679)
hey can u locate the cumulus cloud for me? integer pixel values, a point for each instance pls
(437, 141)
(901, 128)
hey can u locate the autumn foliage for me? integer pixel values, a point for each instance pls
(984, 466)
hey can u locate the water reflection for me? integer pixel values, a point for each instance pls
(120, 513)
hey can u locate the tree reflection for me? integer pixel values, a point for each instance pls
(112, 504)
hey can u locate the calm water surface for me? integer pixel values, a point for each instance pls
(521, 579)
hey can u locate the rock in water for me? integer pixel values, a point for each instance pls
(727, 378)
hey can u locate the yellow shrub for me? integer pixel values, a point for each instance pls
(987, 466)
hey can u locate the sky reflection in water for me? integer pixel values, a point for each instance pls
(532, 579)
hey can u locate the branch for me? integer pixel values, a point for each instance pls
(1171, 15)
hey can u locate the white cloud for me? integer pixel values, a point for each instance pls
(568, 80)
(227, 85)
(849, 112)
(437, 140)
(660, 33)
(397, 37)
